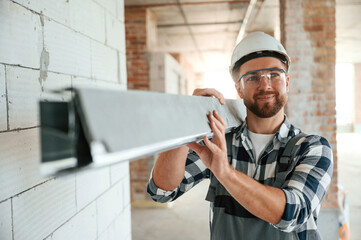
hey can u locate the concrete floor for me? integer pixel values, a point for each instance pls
(187, 217)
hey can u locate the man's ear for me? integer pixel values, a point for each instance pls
(238, 88)
(287, 82)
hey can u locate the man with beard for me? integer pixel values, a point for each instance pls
(254, 193)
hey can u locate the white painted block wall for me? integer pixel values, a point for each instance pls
(166, 74)
(52, 44)
(3, 102)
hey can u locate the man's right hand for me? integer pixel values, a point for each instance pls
(209, 92)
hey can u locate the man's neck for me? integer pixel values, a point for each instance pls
(265, 125)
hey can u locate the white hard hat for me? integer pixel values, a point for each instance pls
(258, 44)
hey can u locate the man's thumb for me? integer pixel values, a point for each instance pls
(196, 147)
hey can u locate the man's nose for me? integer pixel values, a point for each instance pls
(264, 81)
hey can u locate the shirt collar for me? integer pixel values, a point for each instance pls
(282, 134)
(242, 129)
(285, 131)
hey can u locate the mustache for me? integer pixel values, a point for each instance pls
(262, 93)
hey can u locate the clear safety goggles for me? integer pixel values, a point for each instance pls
(253, 79)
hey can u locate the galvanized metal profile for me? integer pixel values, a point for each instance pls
(99, 127)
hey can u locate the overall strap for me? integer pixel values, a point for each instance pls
(285, 162)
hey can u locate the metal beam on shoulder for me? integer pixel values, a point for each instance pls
(99, 127)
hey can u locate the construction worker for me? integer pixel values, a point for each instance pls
(254, 192)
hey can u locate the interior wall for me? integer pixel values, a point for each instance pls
(357, 98)
(53, 44)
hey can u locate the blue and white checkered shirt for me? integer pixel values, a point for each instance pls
(304, 189)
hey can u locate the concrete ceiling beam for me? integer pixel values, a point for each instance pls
(250, 9)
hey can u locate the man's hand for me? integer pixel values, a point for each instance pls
(209, 92)
(214, 154)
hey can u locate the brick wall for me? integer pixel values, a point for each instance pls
(136, 42)
(138, 79)
(308, 31)
(50, 45)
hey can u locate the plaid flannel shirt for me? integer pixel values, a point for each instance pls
(304, 190)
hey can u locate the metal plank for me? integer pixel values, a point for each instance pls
(105, 126)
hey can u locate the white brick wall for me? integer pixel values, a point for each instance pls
(104, 62)
(5, 220)
(115, 33)
(126, 191)
(3, 107)
(19, 162)
(109, 206)
(123, 69)
(88, 18)
(109, 5)
(37, 212)
(123, 224)
(90, 184)
(81, 226)
(120, 10)
(119, 171)
(85, 44)
(81, 82)
(120, 228)
(69, 52)
(24, 92)
(57, 10)
(21, 37)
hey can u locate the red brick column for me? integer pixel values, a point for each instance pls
(138, 69)
(138, 78)
(136, 48)
(308, 32)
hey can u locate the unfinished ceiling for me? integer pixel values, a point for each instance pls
(205, 32)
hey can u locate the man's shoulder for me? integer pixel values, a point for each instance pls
(313, 139)
(310, 138)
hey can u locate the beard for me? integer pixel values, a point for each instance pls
(268, 109)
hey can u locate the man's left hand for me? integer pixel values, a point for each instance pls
(214, 154)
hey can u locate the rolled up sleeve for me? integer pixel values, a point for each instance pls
(195, 172)
(160, 195)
